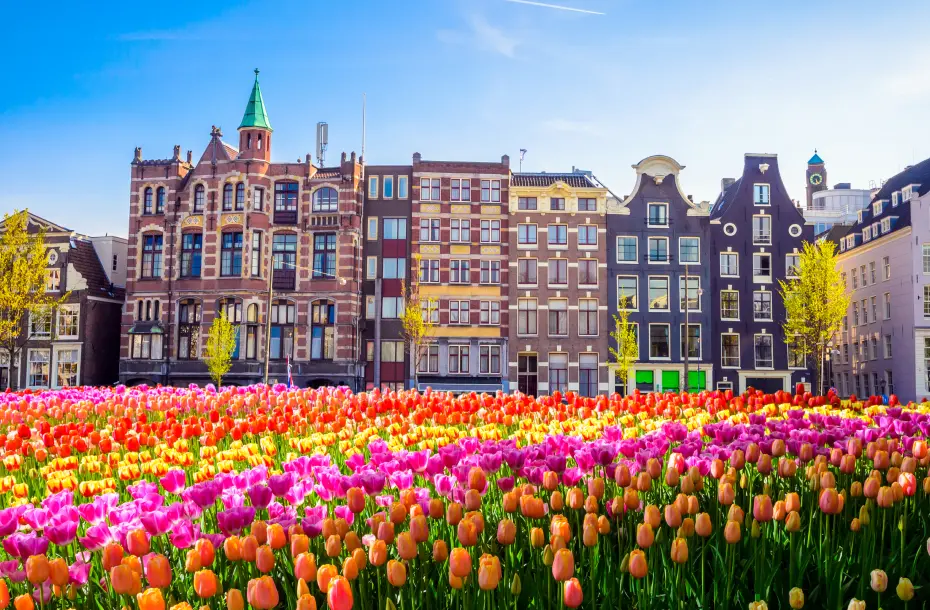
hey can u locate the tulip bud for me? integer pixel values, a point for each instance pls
(572, 594)
(638, 566)
(516, 586)
(796, 598)
(679, 553)
(732, 533)
(905, 590)
(878, 580)
(702, 525)
(864, 517)
(563, 565)
(758, 605)
(625, 564)
(548, 556)
(644, 535)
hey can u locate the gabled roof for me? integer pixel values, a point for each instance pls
(38, 221)
(815, 160)
(255, 114)
(915, 174)
(725, 198)
(573, 180)
(83, 257)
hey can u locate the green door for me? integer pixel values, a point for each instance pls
(670, 381)
(645, 381)
(697, 381)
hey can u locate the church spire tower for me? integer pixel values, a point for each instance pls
(255, 128)
(816, 177)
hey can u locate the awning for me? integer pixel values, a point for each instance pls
(146, 328)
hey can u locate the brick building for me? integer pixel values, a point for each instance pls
(558, 297)
(76, 345)
(273, 244)
(459, 230)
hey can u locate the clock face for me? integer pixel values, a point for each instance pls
(816, 179)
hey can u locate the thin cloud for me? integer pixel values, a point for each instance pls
(483, 35)
(153, 36)
(556, 6)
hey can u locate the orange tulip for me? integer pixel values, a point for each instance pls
(192, 561)
(58, 572)
(477, 479)
(467, 532)
(158, 571)
(151, 599)
(349, 569)
(324, 575)
(571, 591)
(300, 543)
(124, 580)
(234, 600)
(24, 602)
(355, 500)
(377, 553)
(762, 510)
(793, 522)
(679, 552)
(207, 552)
(489, 572)
(638, 565)
(262, 593)
(259, 530)
(37, 569)
(406, 546)
(396, 573)
(205, 583)
(302, 588)
(644, 535)
(732, 532)
(563, 565)
(454, 513)
(460, 562)
(232, 546)
(4, 595)
(276, 537)
(306, 602)
(672, 516)
(112, 556)
(134, 563)
(440, 551)
(137, 543)
(305, 567)
(726, 495)
(334, 545)
(339, 596)
(506, 532)
(419, 529)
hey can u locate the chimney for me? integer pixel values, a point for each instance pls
(726, 182)
(137, 156)
(343, 157)
(177, 152)
(506, 160)
(190, 157)
(416, 157)
(353, 156)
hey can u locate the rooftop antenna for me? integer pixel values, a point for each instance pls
(322, 141)
(364, 98)
(522, 154)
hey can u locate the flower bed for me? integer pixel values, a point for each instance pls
(153, 498)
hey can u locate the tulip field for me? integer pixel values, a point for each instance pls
(269, 497)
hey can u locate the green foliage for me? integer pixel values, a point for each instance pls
(626, 352)
(416, 319)
(221, 344)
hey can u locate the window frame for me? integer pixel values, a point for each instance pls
(625, 248)
(662, 219)
(635, 300)
(588, 318)
(668, 292)
(724, 359)
(725, 310)
(560, 263)
(230, 253)
(535, 271)
(668, 341)
(191, 255)
(755, 353)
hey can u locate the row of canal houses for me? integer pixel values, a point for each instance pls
(519, 273)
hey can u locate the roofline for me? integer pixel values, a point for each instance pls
(775, 155)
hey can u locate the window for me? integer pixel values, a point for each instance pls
(189, 329)
(66, 367)
(526, 235)
(326, 199)
(458, 359)
(490, 191)
(845, 323)
(151, 256)
(68, 317)
(558, 373)
(283, 316)
(490, 313)
(461, 189)
(460, 230)
(395, 228)
(285, 202)
(527, 374)
(557, 235)
(887, 347)
(855, 307)
(762, 305)
(729, 350)
(324, 255)
(587, 272)
(389, 187)
(52, 280)
(526, 271)
(587, 375)
(855, 279)
(729, 305)
(557, 204)
(874, 303)
(369, 307)
(38, 368)
(628, 292)
(760, 194)
(865, 312)
(429, 229)
(147, 201)
(887, 305)
(689, 289)
(729, 264)
(429, 310)
(587, 204)
(558, 271)
(459, 272)
(866, 234)
(558, 317)
(233, 309)
(526, 317)
(372, 228)
(490, 272)
(587, 235)
(191, 254)
(659, 341)
(526, 203)
(658, 294)
(762, 267)
(40, 324)
(796, 357)
(402, 187)
(657, 215)
(862, 279)
(490, 231)
(428, 362)
(874, 348)
(429, 271)
(846, 353)
(322, 331)
(429, 189)
(256, 254)
(371, 268)
(199, 197)
(763, 349)
(872, 276)
(886, 263)
(258, 198)
(228, 197)
(587, 317)
(146, 346)
(792, 264)
(393, 268)
(626, 249)
(658, 250)
(240, 196)
(284, 260)
(693, 342)
(231, 255)
(689, 250)
(489, 359)
(927, 301)
(761, 230)
(459, 312)
(392, 351)
(160, 200)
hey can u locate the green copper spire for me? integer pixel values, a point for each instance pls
(255, 114)
(815, 160)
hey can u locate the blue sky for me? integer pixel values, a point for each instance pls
(702, 81)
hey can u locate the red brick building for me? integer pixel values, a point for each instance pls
(273, 244)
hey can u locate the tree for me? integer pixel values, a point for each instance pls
(23, 267)
(815, 303)
(626, 353)
(221, 344)
(417, 317)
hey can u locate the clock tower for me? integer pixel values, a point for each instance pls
(816, 177)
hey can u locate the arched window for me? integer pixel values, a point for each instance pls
(322, 331)
(259, 141)
(227, 197)
(248, 141)
(240, 196)
(151, 256)
(283, 315)
(188, 329)
(199, 197)
(251, 336)
(147, 201)
(232, 307)
(160, 200)
(326, 199)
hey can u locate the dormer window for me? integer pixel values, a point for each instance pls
(886, 225)
(876, 208)
(876, 230)
(895, 199)
(760, 194)
(866, 234)
(861, 216)
(842, 245)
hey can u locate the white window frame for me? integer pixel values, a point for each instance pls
(762, 279)
(738, 352)
(789, 267)
(453, 187)
(722, 310)
(886, 263)
(489, 313)
(761, 194)
(668, 292)
(635, 297)
(649, 342)
(682, 293)
(372, 228)
(597, 325)
(528, 245)
(58, 349)
(461, 274)
(424, 356)
(755, 362)
(587, 228)
(755, 317)
(460, 353)
(736, 256)
(491, 229)
(682, 341)
(43, 335)
(788, 353)
(429, 182)
(560, 308)
(431, 224)
(489, 349)
(48, 363)
(457, 227)
(886, 347)
(635, 260)
(886, 225)
(549, 232)
(373, 191)
(403, 187)
(528, 284)
(371, 268)
(761, 240)
(668, 254)
(70, 308)
(487, 267)
(887, 305)
(649, 216)
(681, 258)
(462, 306)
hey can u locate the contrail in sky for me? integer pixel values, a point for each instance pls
(557, 6)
